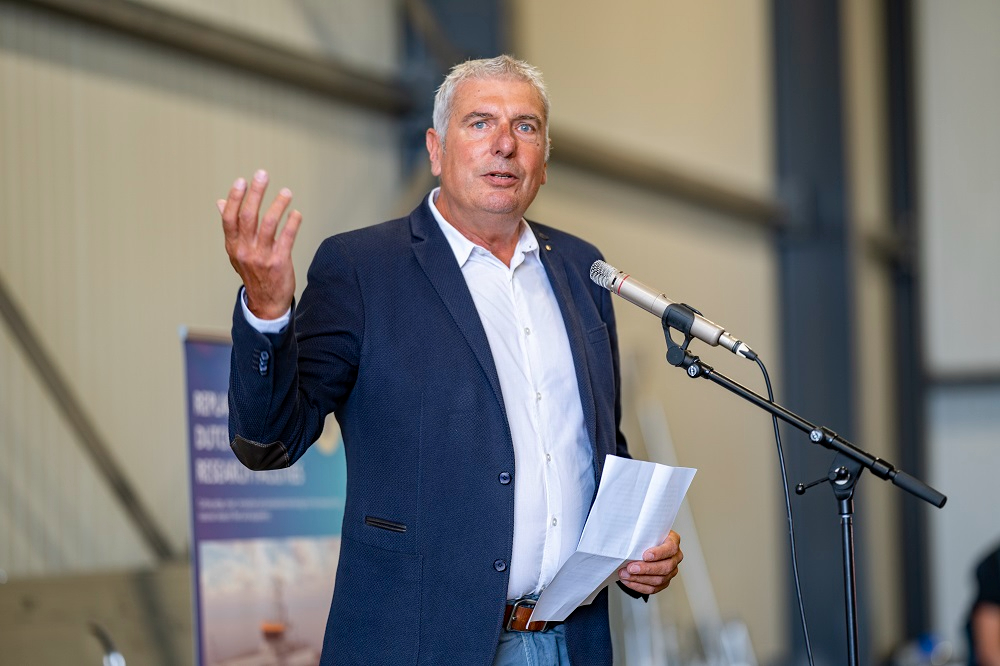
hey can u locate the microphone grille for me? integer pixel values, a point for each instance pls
(603, 273)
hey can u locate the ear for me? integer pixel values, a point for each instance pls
(434, 150)
(545, 172)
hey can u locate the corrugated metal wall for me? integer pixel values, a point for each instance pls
(113, 154)
(686, 85)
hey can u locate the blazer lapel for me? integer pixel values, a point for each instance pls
(437, 260)
(555, 267)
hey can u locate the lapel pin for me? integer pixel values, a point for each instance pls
(548, 247)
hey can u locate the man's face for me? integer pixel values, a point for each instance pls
(493, 158)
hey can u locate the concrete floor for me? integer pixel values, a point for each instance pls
(146, 614)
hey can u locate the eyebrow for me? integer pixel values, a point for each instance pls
(477, 114)
(487, 115)
(528, 116)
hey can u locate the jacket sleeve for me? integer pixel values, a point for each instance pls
(283, 385)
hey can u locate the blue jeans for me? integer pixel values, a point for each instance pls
(535, 648)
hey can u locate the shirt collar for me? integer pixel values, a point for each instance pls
(463, 247)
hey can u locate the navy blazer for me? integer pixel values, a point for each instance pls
(387, 337)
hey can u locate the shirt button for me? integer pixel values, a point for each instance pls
(527, 331)
(548, 457)
(504, 478)
(554, 521)
(538, 396)
(500, 565)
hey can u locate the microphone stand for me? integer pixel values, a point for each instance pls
(845, 469)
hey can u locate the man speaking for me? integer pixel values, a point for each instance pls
(473, 367)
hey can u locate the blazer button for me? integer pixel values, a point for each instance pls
(500, 565)
(505, 478)
(262, 362)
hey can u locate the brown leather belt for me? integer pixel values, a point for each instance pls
(515, 617)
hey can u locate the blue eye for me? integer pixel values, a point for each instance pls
(479, 124)
(525, 127)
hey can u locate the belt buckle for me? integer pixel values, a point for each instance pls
(524, 602)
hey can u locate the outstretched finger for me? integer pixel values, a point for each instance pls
(287, 236)
(231, 208)
(269, 223)
(251, 205)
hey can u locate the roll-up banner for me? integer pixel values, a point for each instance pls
(264, 544)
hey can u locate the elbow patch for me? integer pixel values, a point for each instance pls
(258, 456)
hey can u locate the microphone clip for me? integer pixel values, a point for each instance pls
(680, 317)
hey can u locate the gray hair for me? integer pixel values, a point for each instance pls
(500, 67)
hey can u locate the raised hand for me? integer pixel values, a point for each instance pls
(261, 255)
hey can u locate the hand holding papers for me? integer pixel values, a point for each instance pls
(636, 504)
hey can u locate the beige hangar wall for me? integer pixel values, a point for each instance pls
(114, 151)
(684, 85)
(689, 86)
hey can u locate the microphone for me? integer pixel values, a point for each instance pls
(635, 292)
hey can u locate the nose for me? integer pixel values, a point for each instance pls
(504, 142)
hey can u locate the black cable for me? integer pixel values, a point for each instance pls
(788, 512)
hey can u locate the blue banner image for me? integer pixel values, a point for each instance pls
(265, 544)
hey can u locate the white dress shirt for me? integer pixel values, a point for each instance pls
(553, 476)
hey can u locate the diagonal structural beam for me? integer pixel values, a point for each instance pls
(68, 404)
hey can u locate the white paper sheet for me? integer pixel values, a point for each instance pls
(636, 504)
